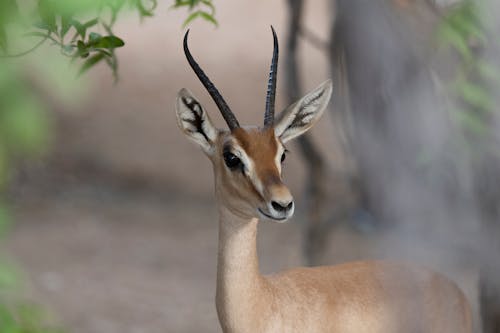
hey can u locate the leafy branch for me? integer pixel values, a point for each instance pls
(63, 24)
(199, 9)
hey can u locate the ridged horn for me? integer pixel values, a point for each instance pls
(228, 115)
(271, 84)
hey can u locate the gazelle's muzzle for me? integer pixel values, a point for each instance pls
(279, 204)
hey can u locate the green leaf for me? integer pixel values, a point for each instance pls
(143, 11)
(113, 65)
(192, 3)
(91, 62)
(65, 25)
(81, 29)
(182, 3)
(83, 51)
(94, 37)
(91, 23)
(109, 42)
(209, 17)
(190, 18)
(81, 45)
(46, 13)
(105, 52)
(210, 5)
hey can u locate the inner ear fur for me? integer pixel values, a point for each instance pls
(194, 121)
(296, 119)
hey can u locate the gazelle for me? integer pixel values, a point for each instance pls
(367, 296)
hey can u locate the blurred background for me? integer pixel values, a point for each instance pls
(107, 213)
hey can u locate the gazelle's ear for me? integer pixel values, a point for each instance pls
(194, 122)
(296, 119)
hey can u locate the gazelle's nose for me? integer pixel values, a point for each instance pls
(279, 203)
(282, 207)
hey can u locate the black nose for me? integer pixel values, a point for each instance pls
(282, 207)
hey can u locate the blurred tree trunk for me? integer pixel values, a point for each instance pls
(378, 53)
(314, 234)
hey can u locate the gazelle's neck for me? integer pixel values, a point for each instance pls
(239, 282)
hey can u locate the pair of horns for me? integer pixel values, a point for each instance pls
(228, 115)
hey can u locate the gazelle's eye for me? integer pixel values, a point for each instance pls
(283, 156)
(232, 161)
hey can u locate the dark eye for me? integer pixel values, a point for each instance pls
(283, 156)
(232, 161)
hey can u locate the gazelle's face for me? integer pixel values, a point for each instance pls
(247, 160)
(247, 165)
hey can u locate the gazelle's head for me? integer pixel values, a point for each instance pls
(247, 160)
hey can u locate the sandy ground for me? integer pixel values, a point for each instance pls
(117, 232)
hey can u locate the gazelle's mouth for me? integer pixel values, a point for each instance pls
(272, 217)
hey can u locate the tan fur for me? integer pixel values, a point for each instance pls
(240, 190)
(371, 297)
(260, 146)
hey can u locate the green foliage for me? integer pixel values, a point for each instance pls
(198, 9)
(24, 132)
(74, 26)
(464, 31)
(460, 26)
(24, 318)
(24, 128)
